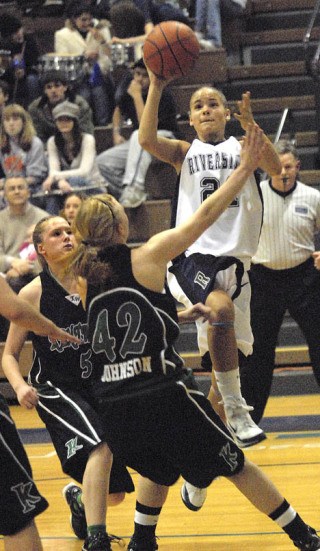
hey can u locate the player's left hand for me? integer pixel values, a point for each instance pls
(316, 259)
(27, 395)
(245, 116)
(57, 334)
(195, 312)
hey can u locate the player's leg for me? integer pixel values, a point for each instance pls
(150, 499)
(264, 495)
(120, 483)
(95, 489)
(222, 344)
(20, 500)
(77, 434)
(226, 387)
(219, 456)
(27, 539)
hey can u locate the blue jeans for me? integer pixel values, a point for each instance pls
(100, 99)
(208, 20)
(126, 164)
(208, 17)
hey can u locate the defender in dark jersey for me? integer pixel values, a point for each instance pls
(59, 385)
(156, 419)
(20, 500)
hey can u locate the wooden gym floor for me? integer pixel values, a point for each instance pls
(227, 521)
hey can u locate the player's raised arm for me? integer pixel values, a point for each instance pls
(168, 150)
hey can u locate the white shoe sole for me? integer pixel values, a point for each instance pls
(185, 498)
(246, 442)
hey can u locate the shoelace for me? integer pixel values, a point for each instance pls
(116, 539)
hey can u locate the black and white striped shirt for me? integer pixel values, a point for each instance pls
(290, 221)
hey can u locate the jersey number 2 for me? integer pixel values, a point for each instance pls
(209, 186)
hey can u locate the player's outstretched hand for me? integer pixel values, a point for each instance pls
(195, 312)
(253, 147)
(316, 259)
(245, 115)
(56, 334)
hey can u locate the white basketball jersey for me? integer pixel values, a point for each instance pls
(205, 168)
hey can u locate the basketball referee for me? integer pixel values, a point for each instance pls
(284, 275)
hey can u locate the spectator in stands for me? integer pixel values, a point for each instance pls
(21, 74)
(71, 157)
(100, 8)
(154, 11)
(56, 89)
(71, 205)
(27, 249)
(26, 252)
(131, 29)
(125, 165)
(21, 151)
(140, 18)
(15, 221)
(4, 94)
(209, 18)
(82, 35)
(284, 275)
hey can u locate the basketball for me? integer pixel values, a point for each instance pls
(171, 49)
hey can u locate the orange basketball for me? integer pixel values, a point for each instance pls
(171, 49)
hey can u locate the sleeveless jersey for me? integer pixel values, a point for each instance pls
(61, 363)
(132, 331)
(205, 168)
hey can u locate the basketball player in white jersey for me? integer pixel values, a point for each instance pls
(214, 269)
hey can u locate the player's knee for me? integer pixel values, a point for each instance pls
(116, 499)
(222, 309)
(103, 452)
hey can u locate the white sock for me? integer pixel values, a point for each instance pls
(228, 383)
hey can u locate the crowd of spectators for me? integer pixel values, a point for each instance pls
(79, 71)
(50, 104)
(49, 113)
